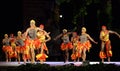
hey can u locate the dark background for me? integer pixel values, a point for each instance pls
(15, 15)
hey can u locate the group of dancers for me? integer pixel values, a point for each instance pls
(82, 43)
(35, 38)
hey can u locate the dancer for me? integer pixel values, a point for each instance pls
(75, 39)
(13, 45)
(19, 44)
(6, 47)
(85, 43)
(66, 45)
(105, 42)
(26, 50)
(31, 36)
(42, 37)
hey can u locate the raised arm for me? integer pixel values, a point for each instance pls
(89, 37)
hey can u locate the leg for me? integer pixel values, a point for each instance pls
(41, 51)
(66, 55)
(32, 55)
(24, 58)
(18, 56)
(73, 52)
(6, 54)
(84, 54)
(102, 50)
(79, 54)
(108, 59)
(108, 49)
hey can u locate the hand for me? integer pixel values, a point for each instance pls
(45, 41)
(88, 50)
(47, 52)
(54, 39)
(96, 42)
(48, 33)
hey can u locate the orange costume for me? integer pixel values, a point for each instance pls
(84, 42)
(76, 45)
(25, 49)
(41, 39)
(6, 47)
(13, 45)
(105, 39)
(66, 43)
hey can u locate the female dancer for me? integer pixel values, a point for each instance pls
(66, 45)
(6, 47)
(41, 36)
(31, 36)
(13, 45)
(75, 39)
(105, 42)
(84, 43)
(19, 44)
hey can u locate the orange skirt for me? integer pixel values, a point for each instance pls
(26, 56)
(41, 57)
(13, 55)
(86, 45)
(76, 55)
(7, 48)
(37, 43)
(18, 49)
(65, 46)
(77, 45)
(73, 56)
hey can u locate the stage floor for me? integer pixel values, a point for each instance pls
(55, 63)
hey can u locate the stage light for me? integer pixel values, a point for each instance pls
(61, 16)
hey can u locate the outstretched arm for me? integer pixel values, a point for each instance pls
(92, 39)
(113, 32)
(69, 33)
(57, 36)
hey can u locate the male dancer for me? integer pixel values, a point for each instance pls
(105, 42)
